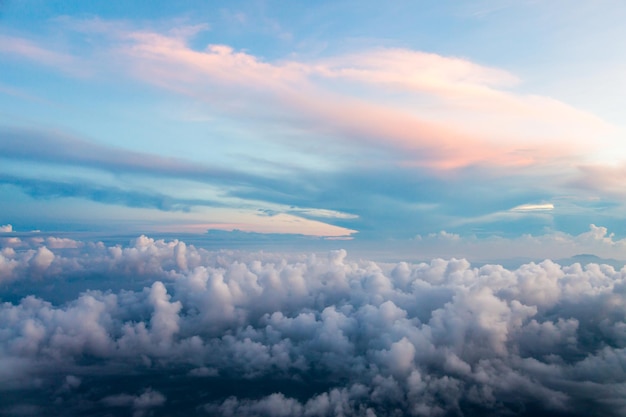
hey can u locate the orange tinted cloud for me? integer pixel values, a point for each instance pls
(279, 223)
(428, 110)
(446, 112)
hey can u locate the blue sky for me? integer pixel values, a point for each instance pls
(338, 119)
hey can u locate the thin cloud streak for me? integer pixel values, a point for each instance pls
(63, 149)
(46, 189)
(31, 50)
(533, 207)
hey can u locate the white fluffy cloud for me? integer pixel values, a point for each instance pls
(230, 333)
(597, 241)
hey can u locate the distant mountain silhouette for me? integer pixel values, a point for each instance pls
(585, 258)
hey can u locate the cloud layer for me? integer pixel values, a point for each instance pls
(169, 329)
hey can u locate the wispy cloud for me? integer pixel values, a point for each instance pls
(48, 189)
(436, 111)
(524, 208)
(322, 213)
(601, 179)
(433, 90)
(54, 150)
(44, 55)
(60, 148)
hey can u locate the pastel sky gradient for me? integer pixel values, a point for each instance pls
(337, 119)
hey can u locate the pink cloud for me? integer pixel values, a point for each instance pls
(461, 117)
(428, 110)
(26, 49)
(457, 85)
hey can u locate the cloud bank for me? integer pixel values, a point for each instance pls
(170, 329)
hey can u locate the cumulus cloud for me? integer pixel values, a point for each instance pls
(442, 236)
(597, 242)
(184, 330)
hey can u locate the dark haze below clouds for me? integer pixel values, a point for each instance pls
(169, 329)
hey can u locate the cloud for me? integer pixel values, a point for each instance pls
(31, 50)
(139, 403)
(533, 207)
(601, 179)
(596, 242)
(50, 189)
(442, 236)
(441, 116)
(61, 149)
(309, 94)
(323, 213)
(51, 150)
(185, 330)
(7, 228)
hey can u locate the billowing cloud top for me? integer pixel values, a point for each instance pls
(169, 329)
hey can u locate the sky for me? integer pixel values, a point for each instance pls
(344, 119)
(312, 209)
